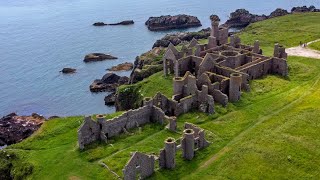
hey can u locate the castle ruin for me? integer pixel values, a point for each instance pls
(204, 74)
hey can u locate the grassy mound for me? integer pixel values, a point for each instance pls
(271, 133)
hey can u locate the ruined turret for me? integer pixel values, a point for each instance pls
(235, 87)
(188, 144)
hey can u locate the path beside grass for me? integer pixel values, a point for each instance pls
(304, 51)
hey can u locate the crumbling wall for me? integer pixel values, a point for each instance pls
(139, 164)
(88, 132)
(219, 97)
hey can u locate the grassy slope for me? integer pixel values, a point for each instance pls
(271, 133)
(315, 45)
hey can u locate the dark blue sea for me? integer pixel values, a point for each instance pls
(40, 37)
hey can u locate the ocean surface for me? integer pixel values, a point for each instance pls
(40, 37)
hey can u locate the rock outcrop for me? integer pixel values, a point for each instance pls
(242, 18)
(68, 70)
(177, 38)
(278, 12)
(110, 99)
(109, 83)
(304, 9)
(14, 128)
(127, 22)
(98, 57)
(172, 22)
(122, 67)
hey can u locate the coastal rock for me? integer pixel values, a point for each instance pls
(14, 128)
(242, 18)
(172, 22)
(127, 22)
(122, 67)
(110, 99)
(68, 70)
(98, 57)
(304, 9)
(109, 83)
(177, 38)
(278, 12)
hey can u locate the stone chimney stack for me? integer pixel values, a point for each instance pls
(188, 144)
(215, 21)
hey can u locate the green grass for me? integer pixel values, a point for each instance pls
(287, 30)
(153, 84)
(315, 46)
(271, 133)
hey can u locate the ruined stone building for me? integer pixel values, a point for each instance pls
(220, 68)
(203, 74)
(193, 140)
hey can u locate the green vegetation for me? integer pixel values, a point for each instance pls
(271, 133)
(132, 95)
(315, 45)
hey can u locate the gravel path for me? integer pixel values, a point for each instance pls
(304, 52)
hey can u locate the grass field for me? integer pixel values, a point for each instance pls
(271, 133)
(315, 45)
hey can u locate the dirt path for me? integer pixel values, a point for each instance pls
(304, 52)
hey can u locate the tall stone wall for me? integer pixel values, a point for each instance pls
(88, 132)
(139, 165)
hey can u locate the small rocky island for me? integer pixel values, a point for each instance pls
(68, 70)
(98, 57)
(127, 22)
(172, 22)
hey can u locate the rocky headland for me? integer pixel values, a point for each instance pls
(98, 57)
(109, 82)
(14, 128)
(242, 17)
(127, 22)
(172, 22)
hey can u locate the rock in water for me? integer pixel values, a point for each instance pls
(68, 70)
(127, 22)
(99, 24)
(98, 57)
(122, 67)
(14, 128)
(109, 83)
(110, 99)
(172, 22)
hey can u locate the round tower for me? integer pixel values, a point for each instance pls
(101, 120)
(170, 152)
(215, 21)
(235, 87)
(188, 144)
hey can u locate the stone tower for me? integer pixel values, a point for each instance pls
(215, 21)
(101, 120)
(188, 144)
(235, 87)
(170, 153)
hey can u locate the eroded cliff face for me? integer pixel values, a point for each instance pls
(14, 128)
(172, 22)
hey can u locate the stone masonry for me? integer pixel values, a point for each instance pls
(203, 74)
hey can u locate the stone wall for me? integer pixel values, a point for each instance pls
(103, 129)
(139, 165)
